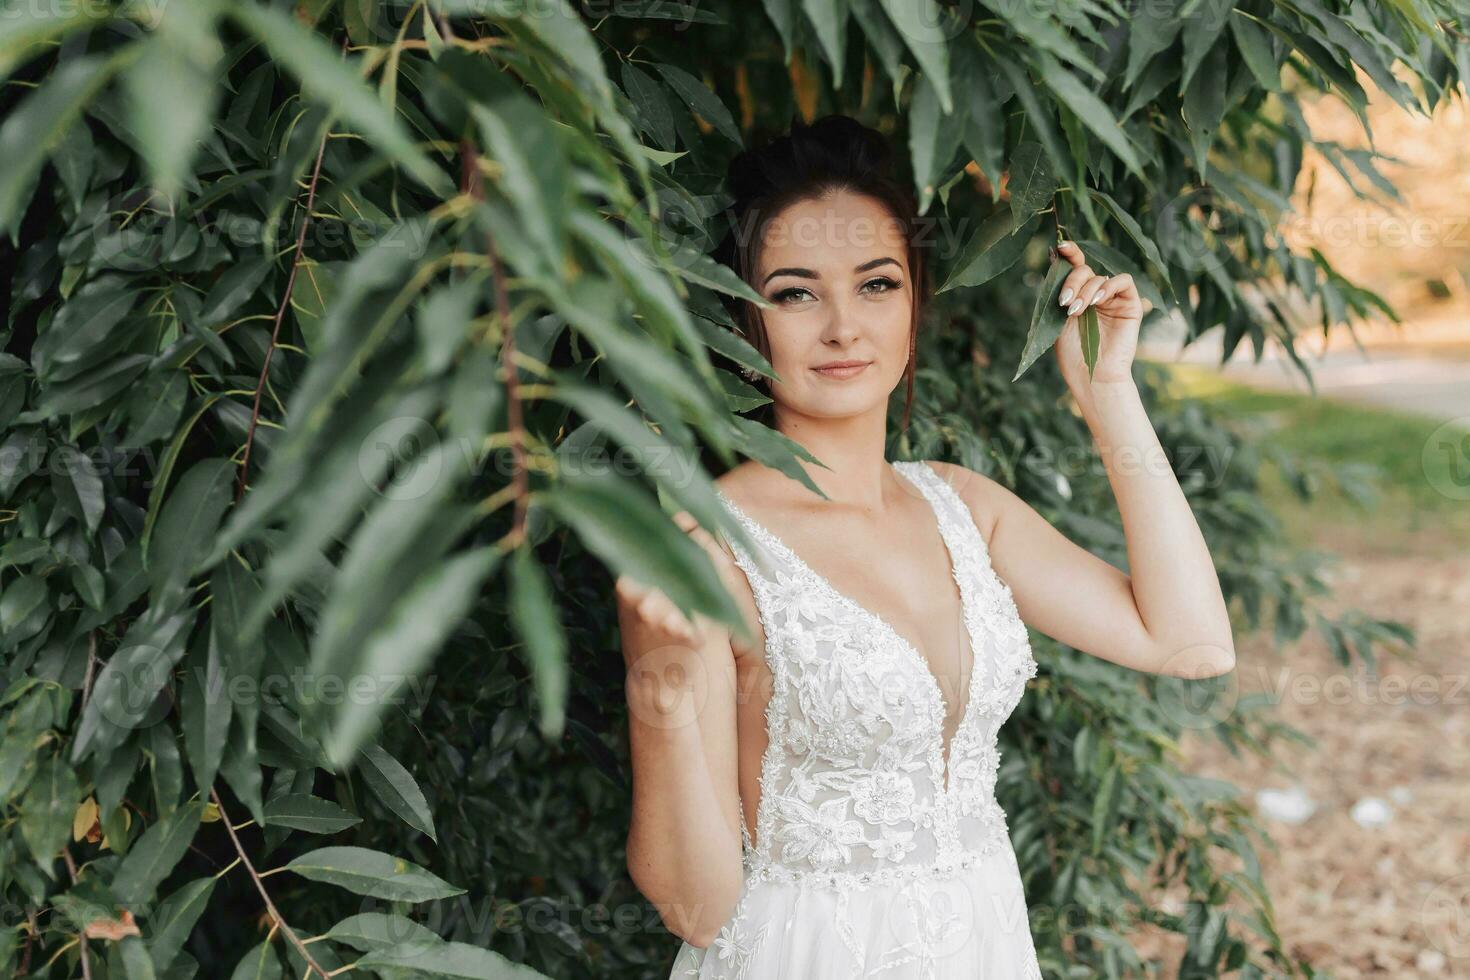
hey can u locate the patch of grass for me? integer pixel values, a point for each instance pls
(1411, 515)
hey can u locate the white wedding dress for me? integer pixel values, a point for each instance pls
(870, 860)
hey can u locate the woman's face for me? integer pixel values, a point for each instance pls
(837, 271)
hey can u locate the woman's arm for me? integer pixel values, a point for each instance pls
(684, 847)
(1168, 616)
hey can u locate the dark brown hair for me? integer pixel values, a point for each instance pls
(834, 153)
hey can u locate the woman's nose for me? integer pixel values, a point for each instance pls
(842, 320)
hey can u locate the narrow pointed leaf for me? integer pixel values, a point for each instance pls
(1047, 317)
(369, 872)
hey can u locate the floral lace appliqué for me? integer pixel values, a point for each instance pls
(855, 788)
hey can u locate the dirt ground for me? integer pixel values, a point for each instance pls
(1366, 897)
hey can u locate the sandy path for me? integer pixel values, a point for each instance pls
(1379, 901)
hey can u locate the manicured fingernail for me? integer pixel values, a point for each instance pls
(1066, 295)
(1075, 307)
(1065, 245)
(1096, 298)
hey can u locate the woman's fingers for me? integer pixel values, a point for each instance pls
(1073, 283)
(654, 608)
(1073, 254)
(1087, 294)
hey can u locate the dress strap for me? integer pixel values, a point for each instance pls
(954, 513)
(757, 556)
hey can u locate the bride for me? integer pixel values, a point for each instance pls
(816, 800)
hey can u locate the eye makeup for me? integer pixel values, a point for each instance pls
(888, 285)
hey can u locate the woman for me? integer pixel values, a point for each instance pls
(817, 801)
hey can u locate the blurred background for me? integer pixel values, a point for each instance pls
(1368, 809)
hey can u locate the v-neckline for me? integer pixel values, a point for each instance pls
(967, 611)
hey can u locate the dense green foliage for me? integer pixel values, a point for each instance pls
(352, 346)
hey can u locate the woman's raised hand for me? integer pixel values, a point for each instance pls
(1119, 311)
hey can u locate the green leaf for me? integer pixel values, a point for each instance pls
(127, 689)
(261, 963)
(395, 786)
(1105, 807)
(88, 329)
(442, 322)
(302, 811)
(74, 475)
(651, 104)
(136, 963)
(154, 855)
(369, 931)
(235, 589)
(30, 29)
(1204, 105)
(557, 25)
(165, 770)
(233, 289)
(1090, 336)
(923, 27)
(369, 872)
(619, 523)
(154, 407)
(240, 766)
(534, 615)
(661, 307)
(407, 641)
(170, 924)
(452, 960)
(702, 100)
(1047, 317)
(1091, 110)
(1039, 117)
(995, 248)
(882, 39)
(829, 20)
(984, 123)
(694, 266)
(1031, 183)
(1257, 51)
(1135, 232)
(35, 126)
(1359, 51)
(1151, 29)
(326, 76)
(783, 16)
(21, 598)
(205, 708)
(533, 169)
(91, 388)
(933, 139)
(173, 92)
(361, 19)
(47, 809)
(183, 535)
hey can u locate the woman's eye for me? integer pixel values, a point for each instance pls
(888, 285)
(883, 283)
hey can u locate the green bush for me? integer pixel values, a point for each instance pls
(352, 347)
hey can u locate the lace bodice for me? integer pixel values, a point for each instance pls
(854, 784)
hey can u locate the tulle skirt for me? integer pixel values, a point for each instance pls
(971, 925)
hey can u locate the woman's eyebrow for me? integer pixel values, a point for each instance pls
(809, 274)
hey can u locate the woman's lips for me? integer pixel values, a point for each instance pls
(842, 372)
